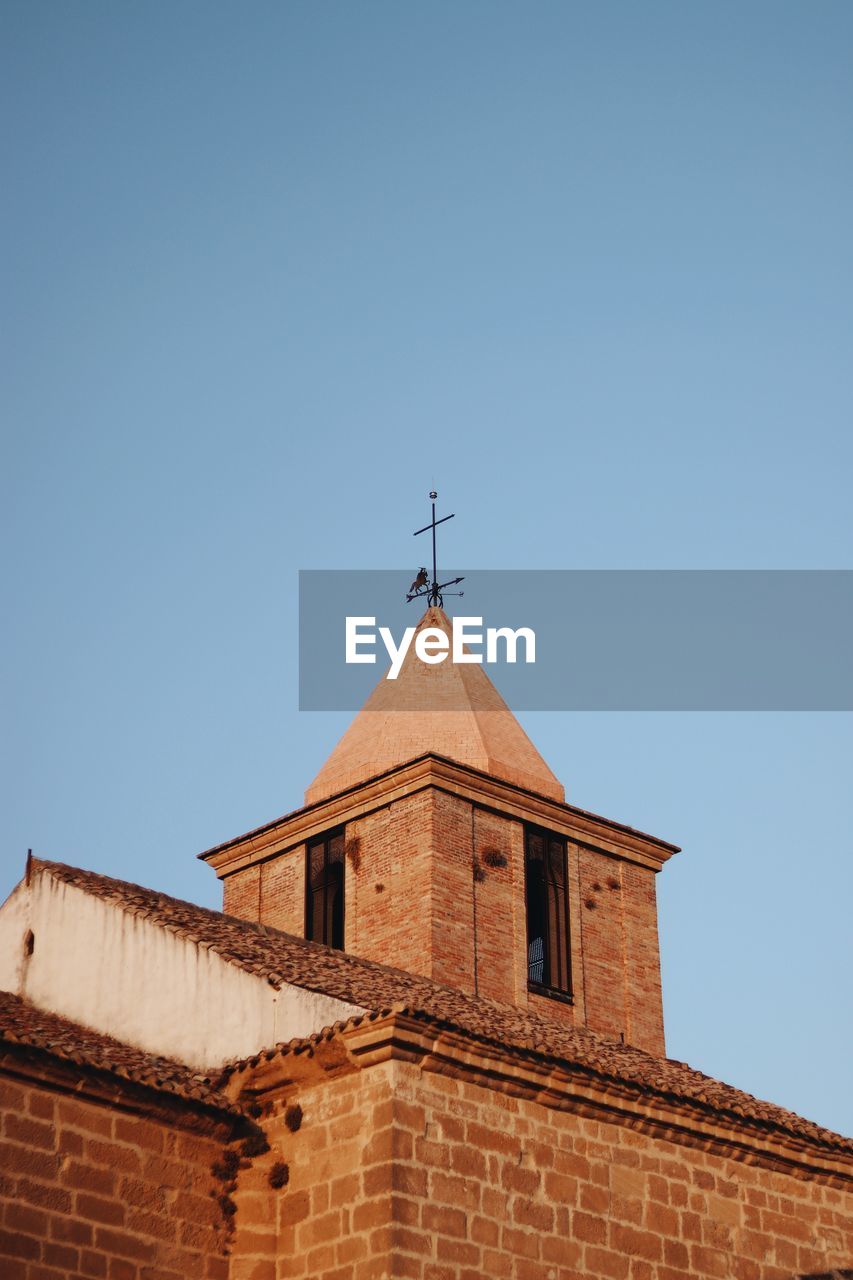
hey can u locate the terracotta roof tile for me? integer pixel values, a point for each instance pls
(282, 958)
(21, 1023)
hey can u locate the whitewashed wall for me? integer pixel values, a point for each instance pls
(131, 978)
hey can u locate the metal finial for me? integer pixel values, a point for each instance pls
(422, 586)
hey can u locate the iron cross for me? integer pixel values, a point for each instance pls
(422, 585)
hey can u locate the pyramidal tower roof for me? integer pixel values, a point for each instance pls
(445, 709)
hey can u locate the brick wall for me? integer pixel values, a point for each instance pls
(498, 893)
(451, 940)
(272, 892)
(601, 911)
(412, 899)
(388, 1171)
(621, 957)
(241, 894)
(282, 892)
(404, 1173)
(513, 1189)
(389, 884)
(643, 995)
(333, 1216)
(91, 1189)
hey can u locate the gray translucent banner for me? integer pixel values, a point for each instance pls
(605, 640)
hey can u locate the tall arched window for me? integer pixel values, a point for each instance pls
(546, 882)
(324, 890)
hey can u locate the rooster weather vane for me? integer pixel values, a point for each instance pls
(431, 589)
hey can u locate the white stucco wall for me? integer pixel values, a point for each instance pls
(134, 979)
(14, 921)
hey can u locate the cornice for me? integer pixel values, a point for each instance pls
(446, 775)
(402, 1037)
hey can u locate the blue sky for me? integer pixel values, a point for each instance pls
(274, 270)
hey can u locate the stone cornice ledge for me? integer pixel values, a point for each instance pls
(456, 779)
(566, 1087)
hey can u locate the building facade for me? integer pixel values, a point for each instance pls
(423, 1039)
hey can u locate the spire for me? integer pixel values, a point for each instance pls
(447, 710)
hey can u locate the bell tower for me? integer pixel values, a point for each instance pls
(436, 839)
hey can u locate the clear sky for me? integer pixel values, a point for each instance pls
(271, 271)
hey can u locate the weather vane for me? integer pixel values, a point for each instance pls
(422, 586)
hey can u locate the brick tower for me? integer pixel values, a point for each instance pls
(436, 839)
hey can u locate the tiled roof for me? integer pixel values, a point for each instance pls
(21, 1023)
(281, 958)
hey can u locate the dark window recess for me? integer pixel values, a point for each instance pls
(547, 912)
(324, 890)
